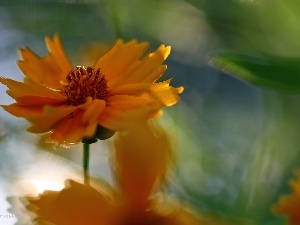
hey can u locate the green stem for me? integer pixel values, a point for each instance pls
(86, 156)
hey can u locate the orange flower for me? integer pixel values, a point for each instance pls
(141, 159)
(289, 205)
(71, 102)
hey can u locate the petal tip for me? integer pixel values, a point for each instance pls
(180, 89)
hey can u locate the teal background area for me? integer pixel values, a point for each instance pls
(237, 145)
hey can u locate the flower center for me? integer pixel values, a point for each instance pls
(83, 83)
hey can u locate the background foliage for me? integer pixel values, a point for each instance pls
(236, 130)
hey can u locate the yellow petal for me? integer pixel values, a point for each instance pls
(29, 87)
(50, 117)
(141, 159)
(120, 58)
(123, 112)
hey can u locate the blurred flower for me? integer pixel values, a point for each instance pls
(289, 205)
(71, 102)
(141, 159)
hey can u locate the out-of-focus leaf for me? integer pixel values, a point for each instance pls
(237, 24)
(269, 71)
(270, 27)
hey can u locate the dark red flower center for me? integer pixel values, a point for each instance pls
(84, 82)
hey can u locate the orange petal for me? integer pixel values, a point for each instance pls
(37, 100)
(29, 87)
(50, 117)
(120, 58)
(42, 70)
(71, 129)
(76, 204)
(166, 94)
(130, 89)
(141, 159)
(148, 70)
(23, 111)
(162, 92)
(289, 206)
(93, 111)
(48, 71)
(56, 50)
(151, 63)
(123, 112)
(128, 102)
(91, 115)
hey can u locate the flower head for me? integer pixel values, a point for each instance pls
(72, 102)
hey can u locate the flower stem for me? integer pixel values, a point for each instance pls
(86, 156)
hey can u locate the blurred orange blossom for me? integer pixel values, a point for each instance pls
(289, 205)
(71, 102)
(141, 159)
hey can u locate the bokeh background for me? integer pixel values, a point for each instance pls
(237, 145)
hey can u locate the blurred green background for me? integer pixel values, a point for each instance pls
(236, 143)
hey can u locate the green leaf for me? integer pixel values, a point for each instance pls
(271, 27)
(275, 72)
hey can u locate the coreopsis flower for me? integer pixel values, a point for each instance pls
(141, 159)
(72, 102)
(289, 205)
